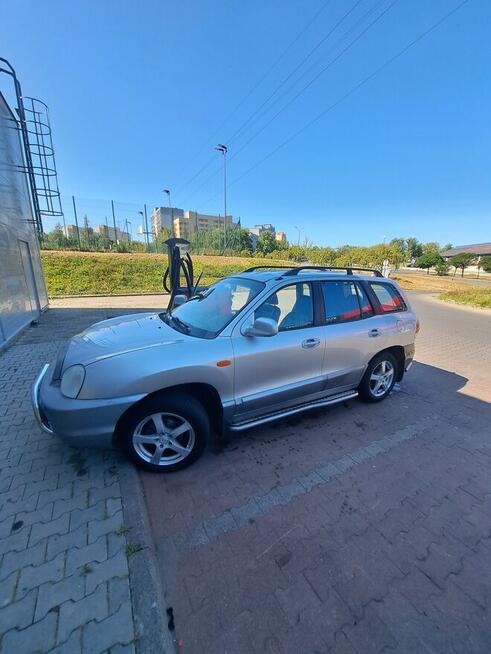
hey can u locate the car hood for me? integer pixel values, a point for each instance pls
(120, 335)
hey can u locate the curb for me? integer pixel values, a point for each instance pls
(147, 593)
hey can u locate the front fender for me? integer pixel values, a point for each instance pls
(146, 371)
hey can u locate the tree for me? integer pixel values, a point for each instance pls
(242, 240)
(486, 262)
(428, 260)
(266, 243)
(432, 246)
(414, 247)
(462, 261)
(162, 236)
(296, 253)
(442, 268)
(400, 244)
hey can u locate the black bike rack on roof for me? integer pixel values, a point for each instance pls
(291, 271)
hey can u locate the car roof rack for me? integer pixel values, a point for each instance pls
(348, 269)
(294, 270)
(267, 268)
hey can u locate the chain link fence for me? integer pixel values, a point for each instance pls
(97, 225)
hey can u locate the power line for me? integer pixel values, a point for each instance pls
(254, 87)
(297, 67)
(353, 90)
(314, 79)
(358, 22)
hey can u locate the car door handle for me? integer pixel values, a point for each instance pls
(374, 332)
(310, 342)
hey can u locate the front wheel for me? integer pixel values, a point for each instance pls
(379, 378)
(166, 432)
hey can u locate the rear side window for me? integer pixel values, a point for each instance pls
(344, 301)
(365, 306)
(389, 297)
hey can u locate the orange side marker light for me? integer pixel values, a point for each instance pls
(224, 363)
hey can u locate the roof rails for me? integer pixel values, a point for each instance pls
(294, 270)
(349, 269)
(267, 268)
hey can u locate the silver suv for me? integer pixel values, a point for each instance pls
(261, 345)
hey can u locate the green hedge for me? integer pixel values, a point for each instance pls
(119, 274)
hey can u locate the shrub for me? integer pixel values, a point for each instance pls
(442, 268)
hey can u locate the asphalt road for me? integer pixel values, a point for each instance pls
(360, 528)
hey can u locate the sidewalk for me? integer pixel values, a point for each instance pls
(66, 547)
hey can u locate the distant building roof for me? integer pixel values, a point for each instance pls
(476, 248)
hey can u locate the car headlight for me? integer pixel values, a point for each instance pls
(72, 380)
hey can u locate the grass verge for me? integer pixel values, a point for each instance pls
(88, 273)
(430, 283)
(476, 297)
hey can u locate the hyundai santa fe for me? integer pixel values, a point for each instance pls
(255, 347)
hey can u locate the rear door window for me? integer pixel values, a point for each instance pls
(389, 297)
(341, 302)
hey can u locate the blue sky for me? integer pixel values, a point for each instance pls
(139, 91)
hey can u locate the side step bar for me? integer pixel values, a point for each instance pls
(334, 399)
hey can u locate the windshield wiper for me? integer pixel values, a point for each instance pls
(181, 326)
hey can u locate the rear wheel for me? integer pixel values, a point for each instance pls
(166, 432)
(379, 378)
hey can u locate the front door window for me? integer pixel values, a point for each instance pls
(291, 307)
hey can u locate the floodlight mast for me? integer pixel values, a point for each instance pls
(223, 149)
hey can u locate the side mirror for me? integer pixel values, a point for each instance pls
(180, 299)
(261, 327)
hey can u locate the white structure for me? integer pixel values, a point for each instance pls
(22, 288)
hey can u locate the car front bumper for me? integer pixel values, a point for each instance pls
(81, 423)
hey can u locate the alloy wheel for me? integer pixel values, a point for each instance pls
(381, 378)
(163, 439)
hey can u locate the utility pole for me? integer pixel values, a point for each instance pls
(114, 224)
(76, 222)
(223, 149)
(167, 192)
(144, 229)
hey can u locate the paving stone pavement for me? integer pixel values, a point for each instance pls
(64, 583)
(358, 529)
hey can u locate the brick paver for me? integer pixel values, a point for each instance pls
(363, 528)
(64, 583)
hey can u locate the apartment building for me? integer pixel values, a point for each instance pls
(192, 221)
(162, 217)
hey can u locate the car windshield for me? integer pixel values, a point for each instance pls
(206, 314)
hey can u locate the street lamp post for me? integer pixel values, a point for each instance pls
(167, 192)
(223, 149)
(298, 230)
(144, 228)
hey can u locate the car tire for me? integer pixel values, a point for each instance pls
(379, 378)
(166, 433)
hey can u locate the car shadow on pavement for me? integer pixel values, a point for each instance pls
(360, 523)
